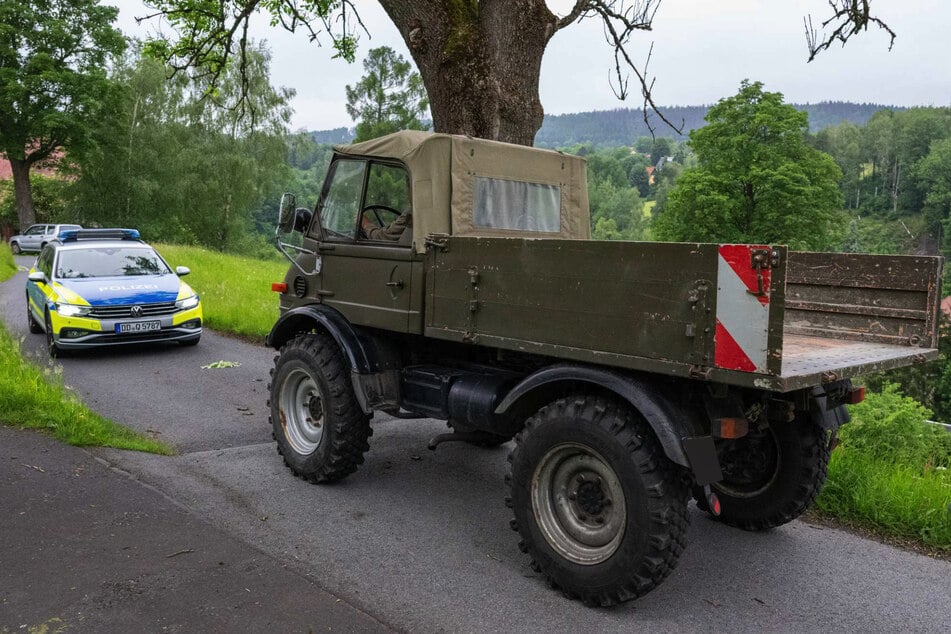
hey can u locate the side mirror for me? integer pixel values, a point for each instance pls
(37, 276)
(182, 271)
(302, 219)
(287, 217)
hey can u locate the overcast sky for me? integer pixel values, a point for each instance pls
(702, 50)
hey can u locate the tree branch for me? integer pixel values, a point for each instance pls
(849, 17)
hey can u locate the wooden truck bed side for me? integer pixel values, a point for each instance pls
(654, 307)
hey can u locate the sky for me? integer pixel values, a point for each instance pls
(703, 49)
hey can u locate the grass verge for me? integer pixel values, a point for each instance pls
(7, 266)
(235, 291)
(35, 398)
(891, 500)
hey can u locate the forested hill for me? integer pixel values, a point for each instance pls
(623, 125)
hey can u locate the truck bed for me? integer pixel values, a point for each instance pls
(694, 310)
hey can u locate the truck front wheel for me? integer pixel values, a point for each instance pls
(599, 507)
(319, 427)
(771, 475)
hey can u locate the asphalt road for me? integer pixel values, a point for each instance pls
(420, 540)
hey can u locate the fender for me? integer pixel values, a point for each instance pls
(375, 382)
(306, 318)
(677, 427)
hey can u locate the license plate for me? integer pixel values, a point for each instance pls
(138, 326)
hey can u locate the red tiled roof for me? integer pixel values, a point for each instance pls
(47, 166)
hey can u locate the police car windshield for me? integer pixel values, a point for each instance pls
(109, 262)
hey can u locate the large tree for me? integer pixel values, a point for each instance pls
(389, 97)
(479, 59)
(52, 77)
(757, 180)
(181, 168)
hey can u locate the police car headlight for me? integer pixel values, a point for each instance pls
(188, 302)
(72, 310)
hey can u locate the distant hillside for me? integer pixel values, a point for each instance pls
(333, 137)
(623, 126)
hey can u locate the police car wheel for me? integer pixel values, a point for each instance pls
(54, 350)
(320, 429)
(34, 327)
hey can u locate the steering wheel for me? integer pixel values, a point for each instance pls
(366, 223)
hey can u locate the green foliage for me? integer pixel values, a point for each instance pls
(35, 398)
(235, 291)
(757, 180)
(8, 267)
(53, 55)
(891, 499)
(890, 427)
(615, 202)
(181, 168)
(891, 471)
(389, 97)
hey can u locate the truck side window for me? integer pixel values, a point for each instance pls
(516, 205)
(341, 203)
(387, 208)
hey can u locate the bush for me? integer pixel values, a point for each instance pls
(891, 428)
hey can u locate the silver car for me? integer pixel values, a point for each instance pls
(36, 237)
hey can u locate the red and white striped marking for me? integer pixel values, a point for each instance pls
(740, 342)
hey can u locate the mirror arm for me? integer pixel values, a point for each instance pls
(283, 246)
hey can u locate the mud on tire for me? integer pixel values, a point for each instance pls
(319, 427)
(773, 476)
(600, 509)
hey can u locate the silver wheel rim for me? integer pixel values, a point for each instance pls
(579, 504)
(302, 412)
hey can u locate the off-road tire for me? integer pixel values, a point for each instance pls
(645, 548)
(15, 248)
(345, 428)
(802, 450)
(31, 323)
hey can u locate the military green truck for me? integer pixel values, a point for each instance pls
(630, 375)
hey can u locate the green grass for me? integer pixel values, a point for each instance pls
(892, 471)
(35, 398)
(890, 499)
(235, 291)
(7, 266)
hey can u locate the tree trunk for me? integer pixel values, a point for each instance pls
(480, 62)
(22, 192)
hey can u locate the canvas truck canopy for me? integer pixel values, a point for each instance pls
(474, 187)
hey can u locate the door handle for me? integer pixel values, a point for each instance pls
(397, 284)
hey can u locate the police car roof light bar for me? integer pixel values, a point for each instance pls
(74, 235)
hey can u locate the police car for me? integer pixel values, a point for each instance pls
(105, 287)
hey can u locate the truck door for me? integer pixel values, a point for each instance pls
(366, 258)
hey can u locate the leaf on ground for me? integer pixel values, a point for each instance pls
(221, 364)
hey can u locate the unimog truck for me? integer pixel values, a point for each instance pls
(632, 376)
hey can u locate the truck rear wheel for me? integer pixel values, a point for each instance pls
(771, 476)
(319, 427)
(599, 507)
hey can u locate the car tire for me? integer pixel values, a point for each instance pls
(53, 349)
(320, 429)
(32, 324)
(599, 507)
(15, 248)
(771, 476)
